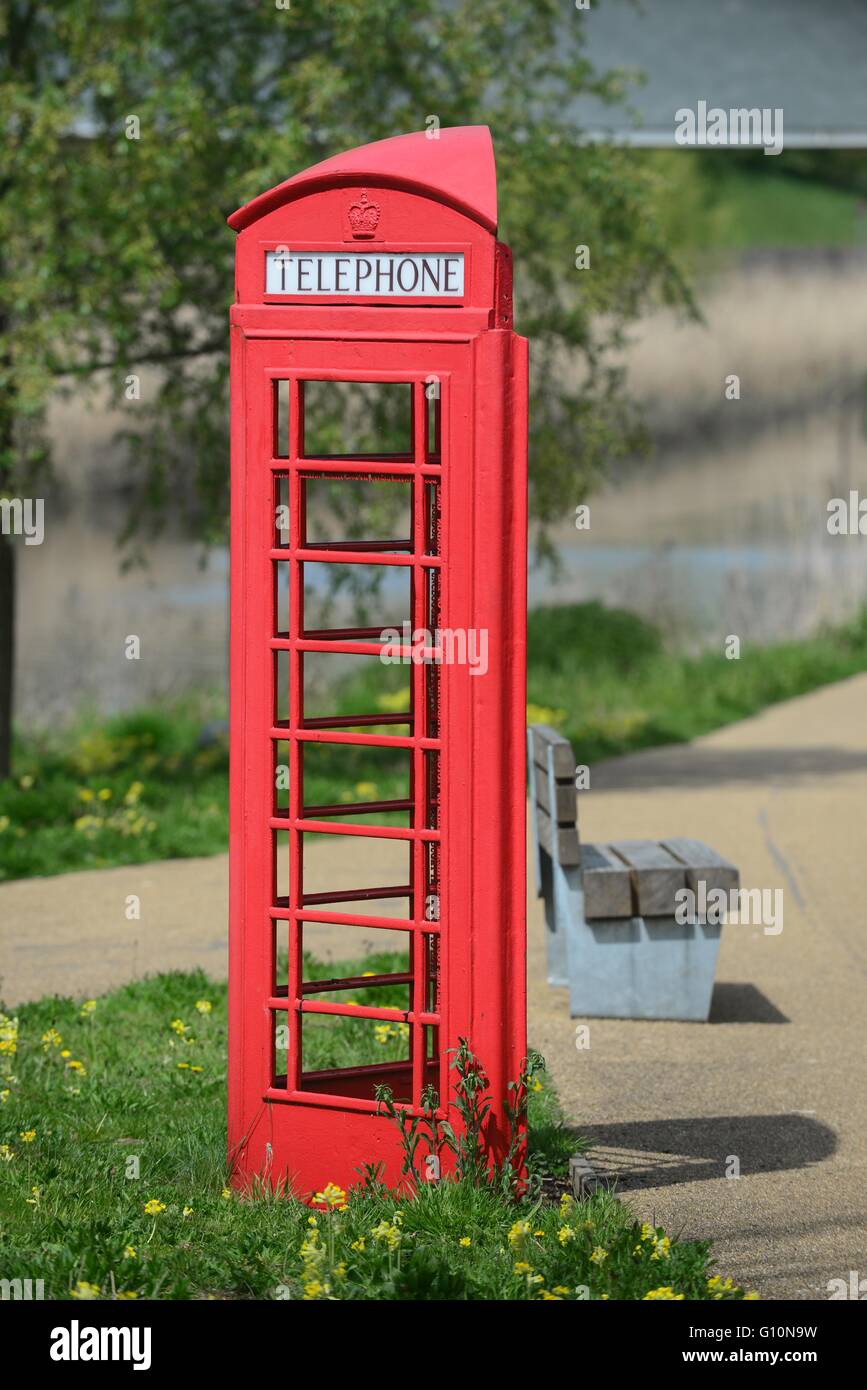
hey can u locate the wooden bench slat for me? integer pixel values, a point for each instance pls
(606, 883)
(561, 841)
(656, 875)
(565, 798)
(564, 759)
(703, 864)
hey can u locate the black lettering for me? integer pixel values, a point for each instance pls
(341, 268)
(451, 274)
(384, 263)
(407, 289)
(361, 274)
(320, 288)
(303, 261)
(430, 271)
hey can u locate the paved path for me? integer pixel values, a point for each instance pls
(775, 1080)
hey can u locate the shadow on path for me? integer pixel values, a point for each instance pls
(743, 1003)
(658, 1153)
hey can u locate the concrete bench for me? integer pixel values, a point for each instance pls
(611, 932)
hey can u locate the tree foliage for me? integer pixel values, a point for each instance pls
(115, 249)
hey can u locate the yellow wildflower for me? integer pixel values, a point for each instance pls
(154, 1207)
(518, 1234)
(204, 1006)
(666, 1292)
(85, 1290)
(332, 1197)
(565, 1234)
(465, 1241)
(88, 1008)
(130, 1252)
(27, 1136)
(598, 1255)
(388, 1234)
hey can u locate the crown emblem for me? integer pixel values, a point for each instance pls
(363, 216)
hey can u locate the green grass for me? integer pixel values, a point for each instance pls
(140, 787)
(605, 679)
(730, 201)
(116, 791)
(85, 1152)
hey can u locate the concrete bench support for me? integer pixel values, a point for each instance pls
(611, 933)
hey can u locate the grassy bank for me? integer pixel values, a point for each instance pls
(147, 786)
(113, 1184)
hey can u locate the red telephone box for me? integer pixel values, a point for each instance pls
(377, 270)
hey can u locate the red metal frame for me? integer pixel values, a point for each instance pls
(472, 820)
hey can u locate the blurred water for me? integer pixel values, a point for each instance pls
(728, 538)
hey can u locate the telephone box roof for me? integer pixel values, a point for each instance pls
(456, 168)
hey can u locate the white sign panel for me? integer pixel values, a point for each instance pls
(344, 274)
